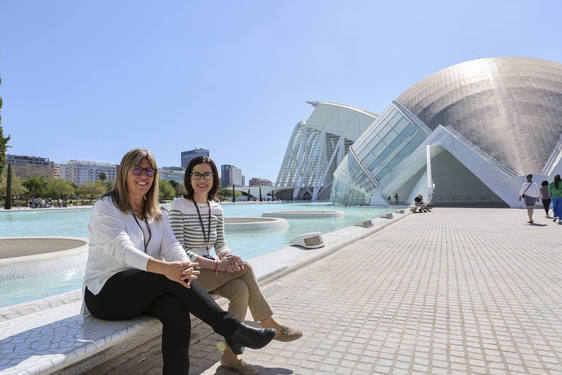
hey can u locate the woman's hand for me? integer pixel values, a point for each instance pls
(233, 263)
(178, 271)
(182, 272)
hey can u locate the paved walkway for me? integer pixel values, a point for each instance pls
(454, 291)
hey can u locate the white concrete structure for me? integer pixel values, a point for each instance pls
(304, 214)
(318, 145)
(246, 224)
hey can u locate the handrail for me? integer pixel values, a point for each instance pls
(555, 156)
(465, 197)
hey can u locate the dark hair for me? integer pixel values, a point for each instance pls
(544, 183)
(187, 177)
(529, 177)
(556, 180)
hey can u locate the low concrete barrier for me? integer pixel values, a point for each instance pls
(23, 246)
(246, 224)
(303, 214)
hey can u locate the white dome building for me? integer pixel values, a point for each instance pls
(487, 122)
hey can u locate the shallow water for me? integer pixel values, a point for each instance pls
(74, 223)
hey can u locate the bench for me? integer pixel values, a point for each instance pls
(58, 339)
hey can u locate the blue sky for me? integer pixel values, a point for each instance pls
(89, 80)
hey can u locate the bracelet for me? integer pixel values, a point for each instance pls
(216, 266)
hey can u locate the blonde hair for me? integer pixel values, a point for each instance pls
(119, 193)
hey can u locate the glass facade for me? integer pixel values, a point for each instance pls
(349, 187)
(388, 141)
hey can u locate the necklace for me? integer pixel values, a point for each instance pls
(149, 232)
(206, 236)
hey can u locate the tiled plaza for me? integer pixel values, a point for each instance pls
(455, 291)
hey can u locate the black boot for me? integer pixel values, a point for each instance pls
(255, 338)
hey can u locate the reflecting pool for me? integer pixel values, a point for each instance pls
(74, 223)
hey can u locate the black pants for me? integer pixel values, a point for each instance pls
(131, 293)
(546, 204)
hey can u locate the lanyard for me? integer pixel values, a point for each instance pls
(206, 236)
(149, 232)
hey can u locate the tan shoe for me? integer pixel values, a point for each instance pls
(243, 367)
(287, 334)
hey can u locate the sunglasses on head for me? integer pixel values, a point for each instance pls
(150, 172)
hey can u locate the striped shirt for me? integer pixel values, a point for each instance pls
(187, 227)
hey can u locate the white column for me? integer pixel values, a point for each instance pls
(429, 182)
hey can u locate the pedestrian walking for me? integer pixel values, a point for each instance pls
(530, 194)
(545, 197)
(555, 191)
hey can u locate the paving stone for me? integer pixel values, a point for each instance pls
(449, 292)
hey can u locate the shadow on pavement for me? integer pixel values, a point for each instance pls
(261, 370)
(204, 355)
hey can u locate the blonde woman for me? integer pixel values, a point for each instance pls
(136, 267)
(198, 224)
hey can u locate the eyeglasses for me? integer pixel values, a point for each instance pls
(150, 172)
(206, 175)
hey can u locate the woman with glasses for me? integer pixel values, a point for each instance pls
(136, 267)
(198, 223)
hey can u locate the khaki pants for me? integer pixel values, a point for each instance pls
(240, 288)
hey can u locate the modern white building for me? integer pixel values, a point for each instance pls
(479, 127)
(317, 146)
(81, 172)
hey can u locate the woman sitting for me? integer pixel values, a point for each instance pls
(198, 223)
(135, 266)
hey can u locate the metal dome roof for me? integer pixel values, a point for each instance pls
(510, 107)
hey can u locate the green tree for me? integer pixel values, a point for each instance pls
(37, 186)
(227, 192)
(3, 143)
(102, 176)
(178, 187)
(18, 190)
(166, 190)
(108, 185)
(92, 190)
(59, 188)
(8, 199)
